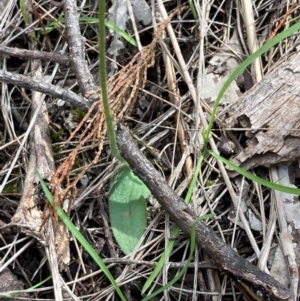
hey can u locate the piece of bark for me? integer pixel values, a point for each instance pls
(269, 112)
(225, 257)
(288, 220)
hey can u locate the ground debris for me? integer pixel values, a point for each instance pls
(269, 112)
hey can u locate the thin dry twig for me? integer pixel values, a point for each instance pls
(35, 55)
(280, 24)
(41, 86)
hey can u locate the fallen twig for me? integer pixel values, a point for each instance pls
(224, 256)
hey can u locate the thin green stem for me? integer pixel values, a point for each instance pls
(102, 70)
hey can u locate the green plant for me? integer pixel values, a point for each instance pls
(205, 152)
(10, 188)
(57, 136)
(72, 228)
(127, 208)
(50, 26)
(127, 192)
(184, 269)
(280, 37)
(78, 114)
(206, 133)
(60, 20)
(57, 149)
(112, 26)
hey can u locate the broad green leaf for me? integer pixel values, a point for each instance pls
(127, 208)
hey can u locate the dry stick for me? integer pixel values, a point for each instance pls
(225, 257)
(35, 55)
(174, 95)
(77, 52)
(40, 86)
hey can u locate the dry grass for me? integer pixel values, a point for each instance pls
(168, 116)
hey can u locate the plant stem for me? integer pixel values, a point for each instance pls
(102, 70)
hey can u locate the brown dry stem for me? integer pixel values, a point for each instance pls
(124, 84)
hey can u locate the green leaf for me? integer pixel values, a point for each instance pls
(127, 208)
(256, 179)
(76, 233)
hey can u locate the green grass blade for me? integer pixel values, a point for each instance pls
(112, 26)
(193, 9)
(174, 232)
(184, 269)
(242, 67)
(122, 33)
(80, 238)
(256, 179)
(24, 11)
(52, 25)
(162, 259)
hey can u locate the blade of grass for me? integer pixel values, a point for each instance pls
(174, 232)
(184, 269)
(241, 68)
(52, 25)
(112, 26)
(24, 12)
(193, 9)
(76, 233)
(206, 133)
(257, 179)
(122, 33)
